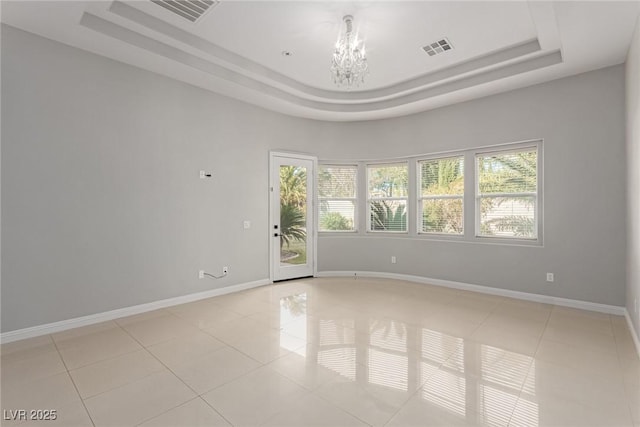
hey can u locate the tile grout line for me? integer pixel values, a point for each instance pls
(72, 381)
(198, 395)
(418, 389)
(182, 404)
(414, 393)
(215, 410)
(624, 386)
(142, 348)
(328, 402)
(313, 392)
(531, 363)
(161, 362)
(102, 360)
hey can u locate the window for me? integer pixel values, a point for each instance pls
(441, 194)
(507, 194)
(491, 194)
(337, 186)
(387, 197)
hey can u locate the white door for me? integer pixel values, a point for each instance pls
(292, 229)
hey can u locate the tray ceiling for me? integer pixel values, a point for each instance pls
(236, 48)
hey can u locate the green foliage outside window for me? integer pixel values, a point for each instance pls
(337, 197)
(335, 221)
(388, 190)
(508, 185)
(293, 187)
(387, 217)
(440, 180)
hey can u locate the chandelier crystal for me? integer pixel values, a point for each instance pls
(349, 62)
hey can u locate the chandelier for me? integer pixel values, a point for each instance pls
(349, 62)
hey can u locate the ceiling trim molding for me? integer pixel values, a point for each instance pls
(274, 78)
(466, 79)
(150, 22)
(498, 48)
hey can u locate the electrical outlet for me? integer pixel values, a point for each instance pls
(550, 277)
(393, 260)
(225, 270)
(201, 274)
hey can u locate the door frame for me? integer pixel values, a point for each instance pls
(273, 255)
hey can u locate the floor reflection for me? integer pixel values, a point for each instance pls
(336, 352)
(453, 377)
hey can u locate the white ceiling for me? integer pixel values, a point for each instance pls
(236, 48)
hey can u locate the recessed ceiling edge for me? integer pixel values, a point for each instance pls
(116, 31)
(297, 88)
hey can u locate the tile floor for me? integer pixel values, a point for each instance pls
(333, 352)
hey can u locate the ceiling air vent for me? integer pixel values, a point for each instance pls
(191, 10)
(438, 47)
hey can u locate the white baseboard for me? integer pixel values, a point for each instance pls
(565, 302)
(634, 333)
(91, 319)
(64, 325)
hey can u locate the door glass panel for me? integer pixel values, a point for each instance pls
(293, 215)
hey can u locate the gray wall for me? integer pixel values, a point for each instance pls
(581, 120)
(102, 207)
(633, 172)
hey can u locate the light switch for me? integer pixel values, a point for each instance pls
(247, 224)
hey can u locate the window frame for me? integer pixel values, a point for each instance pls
(470, 211)
(406, 198)
(420, 198)
(354, 199)
(535, 145)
